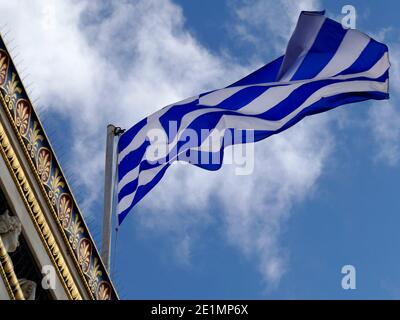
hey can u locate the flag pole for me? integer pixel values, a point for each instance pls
(109, 182)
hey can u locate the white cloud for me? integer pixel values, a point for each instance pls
(269, 24)
(384, 117)
(385, 122)
(287, 169)
(100, 62)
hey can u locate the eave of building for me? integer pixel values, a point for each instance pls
(24, 201)
(49, 183)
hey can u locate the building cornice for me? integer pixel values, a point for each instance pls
(36, 213)
(51, 181)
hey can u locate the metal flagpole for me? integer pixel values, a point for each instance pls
(109, 179)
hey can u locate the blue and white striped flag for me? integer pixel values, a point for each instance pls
(324, 66)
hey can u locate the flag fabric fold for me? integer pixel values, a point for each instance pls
(324, 66)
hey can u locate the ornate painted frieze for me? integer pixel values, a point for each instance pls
(52, 181)
(35, 211)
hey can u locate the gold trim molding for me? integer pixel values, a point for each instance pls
(37, 215)
(58, 197)
(8, 275)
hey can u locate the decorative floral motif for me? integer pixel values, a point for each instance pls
(93, 274)
(12, 89)
(75, 230)
(65, 210)
(22, 114)
(56, 183)
(44, 164)
(84, 253)
(3, 66)
(34, 138)
(38, 152)
(103, 291)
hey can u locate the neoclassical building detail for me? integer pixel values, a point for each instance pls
(10, 231)
(53, 186)
(37, 215)
(7, 273)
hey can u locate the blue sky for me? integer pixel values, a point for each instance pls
(323, 195)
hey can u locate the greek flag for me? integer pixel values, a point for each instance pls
(324, 66)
